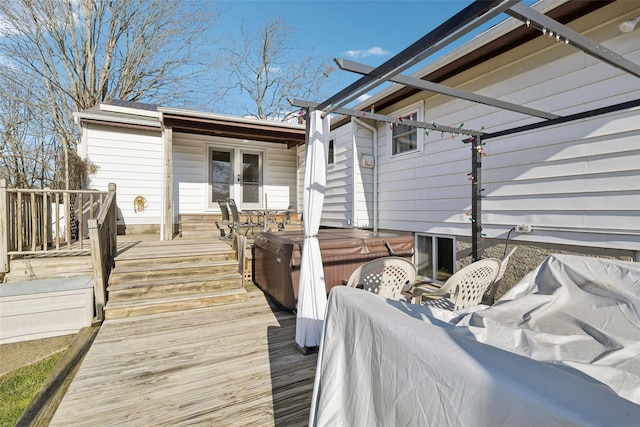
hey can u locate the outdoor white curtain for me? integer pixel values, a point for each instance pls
(312, 297)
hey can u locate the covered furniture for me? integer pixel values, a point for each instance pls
(561, 348)
(277, 256)
(464, 288)
(387, 276)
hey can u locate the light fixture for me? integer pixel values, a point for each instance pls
(628, 25)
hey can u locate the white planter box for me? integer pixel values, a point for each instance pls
(45, 308)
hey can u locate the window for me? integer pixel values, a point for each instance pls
(404, 138)
(221, 174)
(330, 156)
(435, 256)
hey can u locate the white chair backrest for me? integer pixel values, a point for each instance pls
(387, 276)
(471, 282)
(504, 261)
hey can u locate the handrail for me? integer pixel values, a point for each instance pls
(39, 220)
(102, 236)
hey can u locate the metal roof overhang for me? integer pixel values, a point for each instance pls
(233, 129)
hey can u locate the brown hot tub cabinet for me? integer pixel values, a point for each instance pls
(276, 258)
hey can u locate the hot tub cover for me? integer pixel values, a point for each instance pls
(560, 348)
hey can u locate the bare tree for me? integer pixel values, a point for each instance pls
(69, 55)
(260, 66)
(27, 152)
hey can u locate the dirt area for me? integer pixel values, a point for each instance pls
(17, 355)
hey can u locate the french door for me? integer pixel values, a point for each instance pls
(236, 174)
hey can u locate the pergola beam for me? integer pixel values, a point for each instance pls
(455, 27)
(414, 82)
(588, 46)
(389, 119)
(469, 18)
(565, 119)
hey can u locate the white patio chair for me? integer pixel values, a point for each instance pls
(387, 276)
(463, 289)
(489, 296)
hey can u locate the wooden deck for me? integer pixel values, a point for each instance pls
(234, 365)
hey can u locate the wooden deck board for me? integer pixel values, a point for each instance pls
(225, 365)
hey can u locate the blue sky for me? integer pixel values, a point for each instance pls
(366, 31)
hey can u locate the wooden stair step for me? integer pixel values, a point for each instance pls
(169, 286)
(134, 273)
(48, 268)
(212, 234)
(173, 259)
(199, 217)
(117, 310)
(182, 247)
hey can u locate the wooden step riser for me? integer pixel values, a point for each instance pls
(176, 260)
(45, 269)
(173, 306)
(209, 234)
(197, 218)
(38, 274)
(150, 276)
(193, 288)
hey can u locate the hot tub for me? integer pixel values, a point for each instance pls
(276, 258)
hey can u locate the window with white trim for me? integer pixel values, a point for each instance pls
(435, 257)
(404, 138)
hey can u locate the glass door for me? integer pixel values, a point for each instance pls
(251, 180)
(221, 175)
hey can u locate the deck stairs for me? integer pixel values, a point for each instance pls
(183, 274)
(200, 226)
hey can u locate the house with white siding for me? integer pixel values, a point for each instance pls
(168, 163)
(574, 186)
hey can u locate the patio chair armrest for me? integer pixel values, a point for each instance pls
(420, 292)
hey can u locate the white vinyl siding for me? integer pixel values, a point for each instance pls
(337, 210)
(575, 183)
(301, 155)
(132, 159)
(362, 179)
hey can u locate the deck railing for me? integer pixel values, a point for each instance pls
(102, 235)
(34, 221)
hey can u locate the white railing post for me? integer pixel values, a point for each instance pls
(4, 227)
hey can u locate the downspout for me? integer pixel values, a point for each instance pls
(374, 130)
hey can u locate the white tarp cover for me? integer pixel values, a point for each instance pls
(312, 297)
(564, 350)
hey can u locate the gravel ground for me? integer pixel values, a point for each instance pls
(17, 355)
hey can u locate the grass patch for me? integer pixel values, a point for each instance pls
(18, 388)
